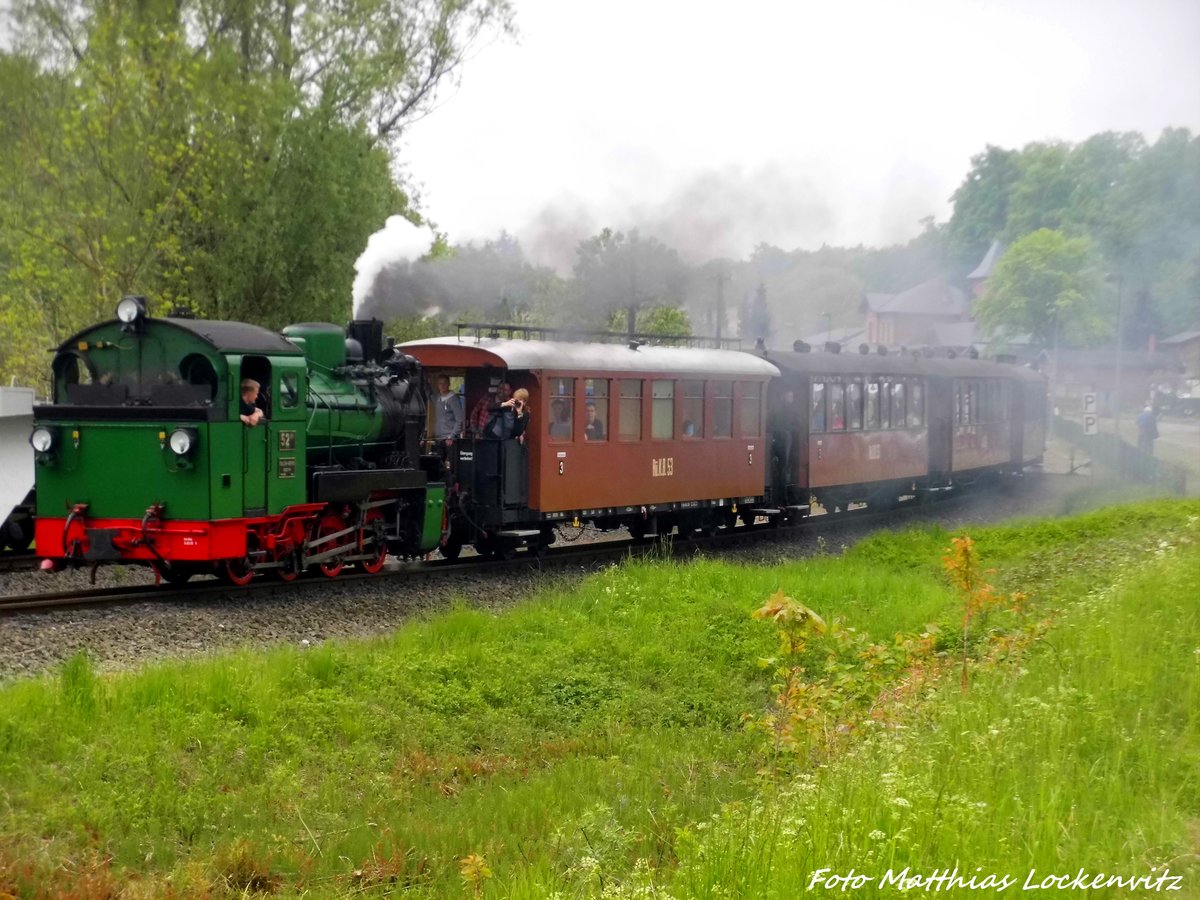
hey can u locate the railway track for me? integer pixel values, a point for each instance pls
(564, 554)
(22, 561)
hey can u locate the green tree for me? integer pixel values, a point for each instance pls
(661, 321)
(1046, 285)
(229, 157)
(981, 206)
(617, 271)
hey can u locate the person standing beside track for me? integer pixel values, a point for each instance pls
(1147, 427)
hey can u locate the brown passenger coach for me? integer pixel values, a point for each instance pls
(645, 436)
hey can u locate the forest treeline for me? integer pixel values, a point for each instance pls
(232, 158)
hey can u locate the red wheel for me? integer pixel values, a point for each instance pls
(374, 565)
(288, 569)
(331, 523)
(238, 572)
(173, 573)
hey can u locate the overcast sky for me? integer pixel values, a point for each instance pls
(716, 126)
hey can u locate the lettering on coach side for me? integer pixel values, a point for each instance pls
(662, 467)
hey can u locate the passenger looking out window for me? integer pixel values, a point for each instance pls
(562, 409)
(593, 429)
(251, 415)
(595, 409)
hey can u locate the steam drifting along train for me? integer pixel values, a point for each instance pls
(142, 456)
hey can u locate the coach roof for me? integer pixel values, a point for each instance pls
(569, 356)
(823, 363)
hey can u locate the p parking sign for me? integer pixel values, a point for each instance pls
(1089, 425)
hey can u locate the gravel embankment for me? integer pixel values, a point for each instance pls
(309, 613)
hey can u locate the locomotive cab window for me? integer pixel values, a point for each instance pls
(197, 369)
(256, 368)
(289, 390)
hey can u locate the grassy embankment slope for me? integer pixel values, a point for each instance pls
(577, 742)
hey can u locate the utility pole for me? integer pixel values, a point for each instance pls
(1120, 348)
(632, 310)
(720, 302)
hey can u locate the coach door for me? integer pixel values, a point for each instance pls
(940, 422)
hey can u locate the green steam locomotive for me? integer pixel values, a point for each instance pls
(144, 455)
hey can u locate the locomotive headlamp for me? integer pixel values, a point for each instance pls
(42, 440)
(131, 309)
(182, 441)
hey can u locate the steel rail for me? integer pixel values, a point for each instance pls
(572, 554)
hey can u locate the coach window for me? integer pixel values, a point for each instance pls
(837, 405)
(899, 414)
(662, 410)
(722, 408)
(595, 398)
(974, 402)
(871, 410)
(854, 405)
(630, 423)
(692, 426)
(916, 403)
(562, 409)
(816, 418)
(885, 404)
(750, 409)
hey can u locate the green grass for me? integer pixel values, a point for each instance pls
(570, 740)
(1083, 754)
